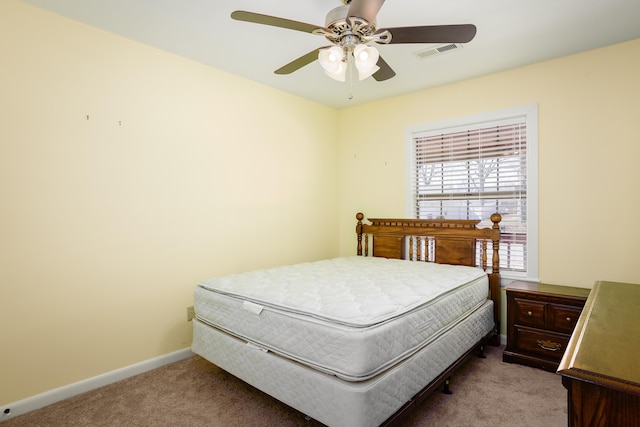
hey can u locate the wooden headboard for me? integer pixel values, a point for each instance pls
(458, 242)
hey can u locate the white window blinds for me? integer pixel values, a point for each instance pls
(472, 171)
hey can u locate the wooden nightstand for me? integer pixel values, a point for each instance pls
(540, 320)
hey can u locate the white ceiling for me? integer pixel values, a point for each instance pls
(511, 33)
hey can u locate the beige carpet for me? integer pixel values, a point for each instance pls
(193, 392)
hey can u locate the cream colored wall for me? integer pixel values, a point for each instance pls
(127, 175)
(589, 146)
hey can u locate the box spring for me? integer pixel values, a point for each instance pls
(332, 400)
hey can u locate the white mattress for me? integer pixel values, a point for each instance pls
(352, 317)
(333, 401)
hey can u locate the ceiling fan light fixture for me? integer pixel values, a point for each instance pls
(331, 58)
(340, 75)
(365, 74)
(332, 61)
(366, 58)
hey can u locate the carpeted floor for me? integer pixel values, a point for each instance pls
(193, 392)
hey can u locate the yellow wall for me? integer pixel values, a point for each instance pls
(589, 148)
(181, 172)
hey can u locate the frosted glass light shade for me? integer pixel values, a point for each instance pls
(366, 58)
(331, 60)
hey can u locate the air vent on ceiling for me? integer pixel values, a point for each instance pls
(422, 54)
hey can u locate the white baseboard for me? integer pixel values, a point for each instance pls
(47, 398)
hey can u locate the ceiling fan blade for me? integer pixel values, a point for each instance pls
(385, 72)
(296, 64)
(274, 21)
(461, 33)
(366, 9)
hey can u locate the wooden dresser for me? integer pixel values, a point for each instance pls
(601, 367)
(540, 319)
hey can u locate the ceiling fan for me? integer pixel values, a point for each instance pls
(350, 28)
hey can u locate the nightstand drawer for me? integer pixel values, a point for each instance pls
(530, 313)
(563, 317)
(545, 344)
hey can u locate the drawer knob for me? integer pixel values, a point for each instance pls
(529, 313)
(568, 319)
(549, 345)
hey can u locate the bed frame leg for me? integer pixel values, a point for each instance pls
(445, 388)
(481, 354)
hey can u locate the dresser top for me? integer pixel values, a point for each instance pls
(548, 289)
(605, 346)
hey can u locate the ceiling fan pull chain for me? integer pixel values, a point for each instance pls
(350, 74)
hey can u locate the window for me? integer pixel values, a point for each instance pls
(471, 167)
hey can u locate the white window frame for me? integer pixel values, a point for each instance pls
(530, 114)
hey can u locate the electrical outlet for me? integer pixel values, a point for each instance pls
(191, 313)
(5, 414)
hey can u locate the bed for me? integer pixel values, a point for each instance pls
(359, 340)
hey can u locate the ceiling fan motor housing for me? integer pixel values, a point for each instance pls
(340, 24)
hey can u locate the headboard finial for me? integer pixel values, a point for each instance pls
(359, 217)
(496, 218)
